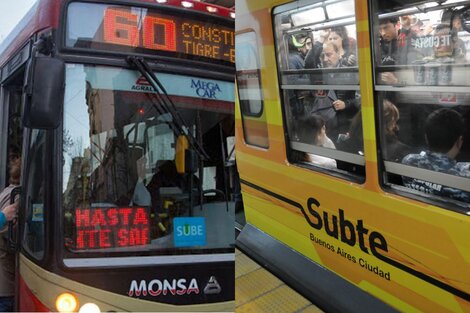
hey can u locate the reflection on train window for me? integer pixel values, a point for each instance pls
(250, 92)
(423, 99)
(317, 59)
(421, 48)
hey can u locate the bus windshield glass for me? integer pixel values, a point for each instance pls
(123, 189)
(161, 32)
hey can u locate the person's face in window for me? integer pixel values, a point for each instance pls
(388, 31)
(329, 56)
(457, 23)
(335, 39)
(306, 47)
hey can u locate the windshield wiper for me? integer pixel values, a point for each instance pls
(166, 104)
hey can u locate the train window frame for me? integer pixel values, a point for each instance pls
(393, 173)
(317, 79)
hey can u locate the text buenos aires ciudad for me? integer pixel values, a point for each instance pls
(344, 230)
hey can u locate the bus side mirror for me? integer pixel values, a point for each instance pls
(45, 87)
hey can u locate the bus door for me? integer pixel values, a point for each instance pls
(11, 136)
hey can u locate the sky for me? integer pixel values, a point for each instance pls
(11, 12)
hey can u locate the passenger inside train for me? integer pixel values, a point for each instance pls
(425, 54)
(444, 137)
(417, 50)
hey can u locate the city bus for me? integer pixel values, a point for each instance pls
(352, 145)
(123, 115)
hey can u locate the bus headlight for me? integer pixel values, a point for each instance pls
(89, 308)
(66, 302)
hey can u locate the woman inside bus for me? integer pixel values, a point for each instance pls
(313, 130)
(7, 259)
(395, 149)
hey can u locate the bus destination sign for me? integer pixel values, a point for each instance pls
(161, 32)
(111, 227)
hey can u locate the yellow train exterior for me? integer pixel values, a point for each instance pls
(406, 250)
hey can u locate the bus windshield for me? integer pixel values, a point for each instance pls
(122, 188)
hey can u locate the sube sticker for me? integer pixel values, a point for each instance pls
(189, 231)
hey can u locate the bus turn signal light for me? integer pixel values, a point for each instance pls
(66, 302)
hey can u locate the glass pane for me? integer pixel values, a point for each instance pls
(340, 9)
(248, 75)
(336, 108)
(250, 92)
(423, 124)
(33, 240)
(427, 130)
(124, 185)
(319, 82)
(416, 47)
(315, 14)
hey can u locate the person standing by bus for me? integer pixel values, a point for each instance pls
(8, 214)
(7, 259)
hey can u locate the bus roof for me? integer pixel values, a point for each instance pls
(44, 14)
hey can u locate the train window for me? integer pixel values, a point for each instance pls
(249, 90)
(33, 240)
(316, 51)
(421, 60)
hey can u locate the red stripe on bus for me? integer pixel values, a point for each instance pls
(28, 302)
